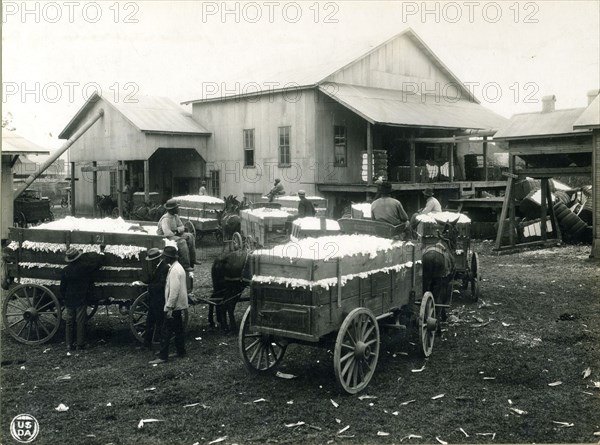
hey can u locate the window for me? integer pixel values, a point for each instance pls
(249, 148)
(214, 183)
(285, 158)
(339, 145)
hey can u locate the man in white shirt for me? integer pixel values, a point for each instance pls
(176, 302)
(432, 204)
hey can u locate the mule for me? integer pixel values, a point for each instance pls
(105, 204)
(230, 275)
(439, 267)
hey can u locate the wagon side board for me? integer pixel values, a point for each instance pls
(309, 315)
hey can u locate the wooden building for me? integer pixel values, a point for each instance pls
(398, 105)
(590, 121)
(13, 146)
(147, 143)
(550, 144)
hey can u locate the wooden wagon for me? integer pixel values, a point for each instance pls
(289, 203)
(199, 213)
(311, 292)
(31, 208)
(33, 262)
(465, 259)
(261, 227)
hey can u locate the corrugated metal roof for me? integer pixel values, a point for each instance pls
(590, 118)
(15, 144)
(150, 114)
(529, 125)
(395, 107)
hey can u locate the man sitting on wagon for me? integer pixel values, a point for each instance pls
(277, 190)
(388, 209)
(170, 225)
(432, 205)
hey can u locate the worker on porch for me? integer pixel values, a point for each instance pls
(388, 209)
(277, 190)
(170, 226)
(305, 207)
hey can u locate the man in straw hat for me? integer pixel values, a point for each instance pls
(388, 209)
(170, 225)
(76, 283)
(432, 204)
(176, 302)
(157, 269)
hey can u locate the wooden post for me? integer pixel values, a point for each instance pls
(147, 181)
(369, 154)
(451, 162)
(413, 161)
(553, 219)
(130, 170)
(595, 252)
(120, 181)
(544, 209)
(511, 207)
(72, 194)
(485, 159)
(94, 186)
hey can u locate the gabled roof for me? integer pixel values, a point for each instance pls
(314, 76)
(150, 114)
(541, 124)
(590, 118)
(393, 107)
(15, 144)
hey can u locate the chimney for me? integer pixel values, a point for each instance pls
(591, 95)
(548, 103)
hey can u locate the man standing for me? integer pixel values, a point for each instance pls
(176, 302)
(388, 209)
(158, 269)
(75, 284)
(170, 225)
(277, 190)
(305, 207)
(202, 191)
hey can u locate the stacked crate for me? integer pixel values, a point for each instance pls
(380, 165)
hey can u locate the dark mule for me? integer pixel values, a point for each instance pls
(105, 204)
(439, 266)
(229, 218)
(230, 276)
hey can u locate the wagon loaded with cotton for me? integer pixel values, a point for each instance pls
(34, 259)
(336, 289)
(199, 214)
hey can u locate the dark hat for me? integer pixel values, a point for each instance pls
(277, 180)
(153, 254)
(72, 254)
(170, 252)
(386, 188)
(301, 193)
(171, 204)
(428, 192)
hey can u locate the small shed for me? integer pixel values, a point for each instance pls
(148, 143)
(13, 146)
(550, 145)
(590, 121)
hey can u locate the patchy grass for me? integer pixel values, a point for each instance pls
(544, 313)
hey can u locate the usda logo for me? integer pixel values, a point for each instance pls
(24, 428)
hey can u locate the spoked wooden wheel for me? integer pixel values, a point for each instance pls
(475, 277)
(189, 227)
(261, 352)
(356, 350)
(19, 219)
(427, 324)
(250, 244)
(31, 314)
(236, 241)
(138, 315)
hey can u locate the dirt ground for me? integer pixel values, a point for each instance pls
(510, 368)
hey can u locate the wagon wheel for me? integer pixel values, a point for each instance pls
(64, 203)
(19, 219)
(475, 277)
(31, 314)
(261, 352)
(237, 241)
(250, 243)
(189, 227)
(427, 324)
(356, 350)
(138, 314)
(115, 212)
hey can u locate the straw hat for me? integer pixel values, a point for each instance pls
(153, 254)
(72, 254)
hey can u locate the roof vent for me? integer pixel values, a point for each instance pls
(548, 103)
(591, 95)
